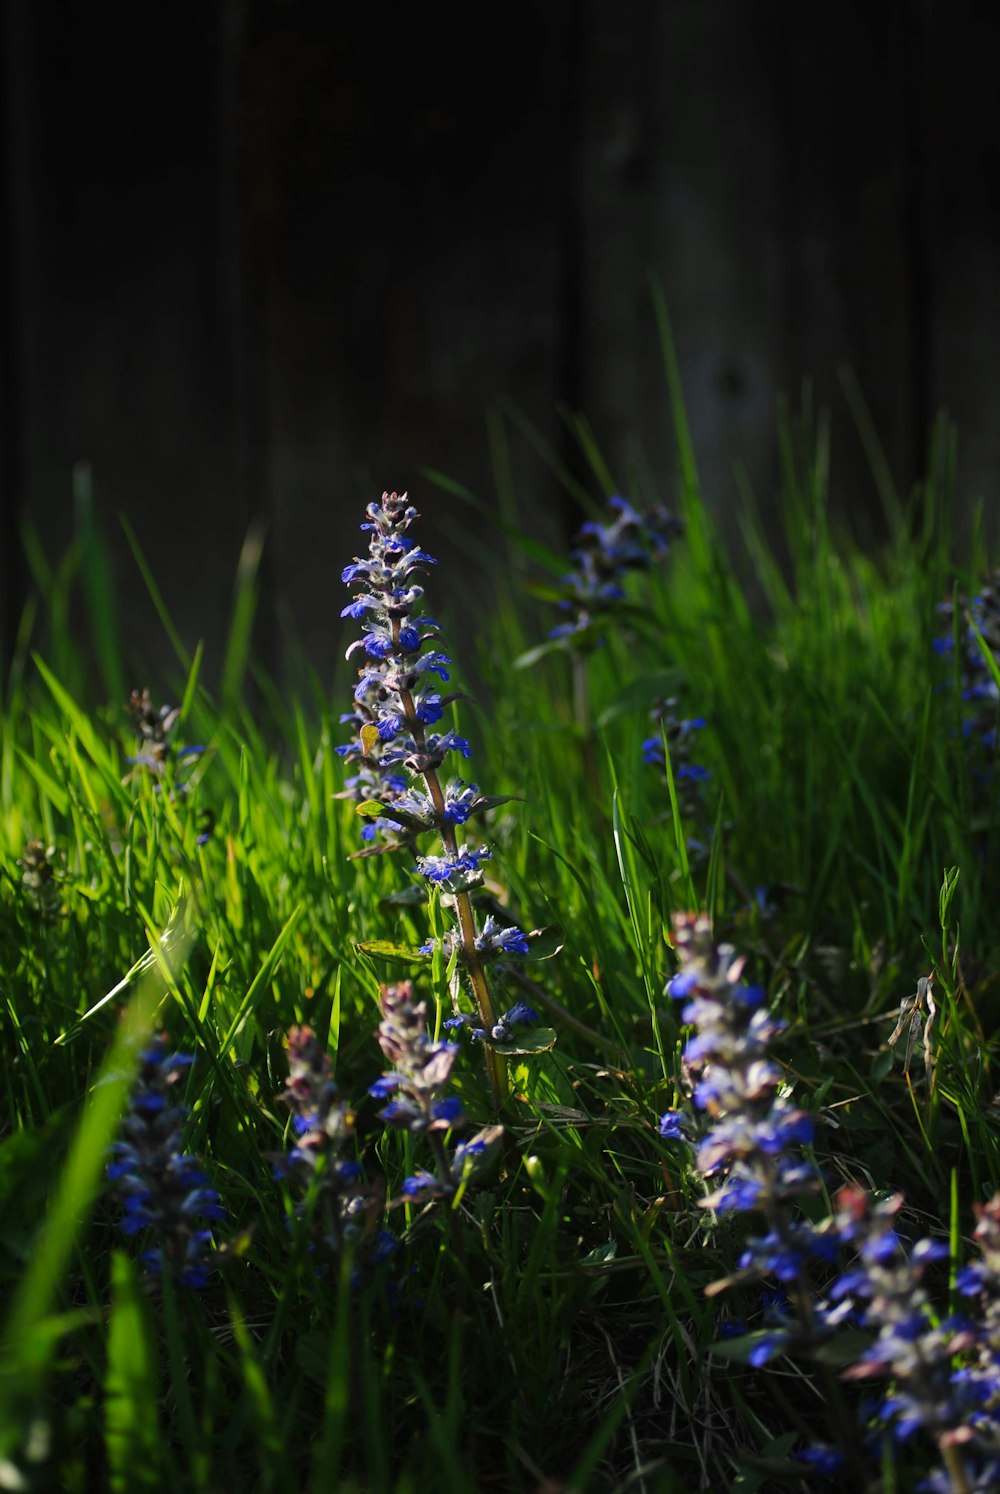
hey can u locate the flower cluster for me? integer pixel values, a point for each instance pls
(157, 756)
(932, 1387)
(979, 689)
(414, 1088)
(681, 735)
(750, 1149)
(601, 556)
(502, 1031)
(328, 1180)
(38, 877)
(493, 941)
(154, 728)
(420, 1068)
(398, 753)
(163, 1188)
(979, 1378)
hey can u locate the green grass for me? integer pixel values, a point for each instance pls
(569, 1338)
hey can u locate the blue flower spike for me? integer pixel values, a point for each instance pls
(943, 1372)
(968, 620)
(164, 1190)
(681, 734)
(748, 1143)
(320, 1164)
(601, 556)
(397, 758)
(415, 1088)
(159, 759)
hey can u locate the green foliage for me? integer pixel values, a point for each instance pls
(552, 1325)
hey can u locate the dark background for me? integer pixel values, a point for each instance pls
(263, 258)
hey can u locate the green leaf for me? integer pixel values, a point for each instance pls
(881, 1064)
(483, 804)
(740, 1349)
(845, 1349)
(406, 897)
(531, 656)
(78, 719)
(385, 949)
(53, 791)
(601, 1254)
(544, 943)
(544, 592)
(371, 809)
(262, 979)
(29, 1165)
(538, 1040)
(639, 694)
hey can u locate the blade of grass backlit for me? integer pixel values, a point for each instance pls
(155, 595)
(131, 1395)
(237, 651)
(96, 574)
(27, 1349)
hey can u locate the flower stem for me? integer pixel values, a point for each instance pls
(496, 1068)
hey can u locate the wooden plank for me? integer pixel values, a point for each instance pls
(406, 263)
(303, 256)
(16, 118)
(960, 181)
(128, 363)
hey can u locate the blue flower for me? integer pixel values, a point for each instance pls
(495, 939)
(673, 1125)
(821, 1460)
(766, 1348)
(602, 554)
(453, 868)
(400, 758)
(421, 1069)
(502, 1030)
(752, 1136)
(163, 1188)
(316, 1166)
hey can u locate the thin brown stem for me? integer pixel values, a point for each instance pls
(496, 1068)
(584, 725)
(955, 1468)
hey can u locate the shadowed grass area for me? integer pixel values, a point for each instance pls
(547, 1328)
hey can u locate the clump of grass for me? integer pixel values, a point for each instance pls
(541, 1315)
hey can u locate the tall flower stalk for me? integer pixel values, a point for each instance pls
(914, 1349)
(320, 1164)
(158, 758)
(415, 1089)
(164, 1190)
(601, 556)
(397, 705)
(592, 594)
(750, 1152)
(979, 689)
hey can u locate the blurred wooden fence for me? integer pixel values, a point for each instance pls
(263, 258)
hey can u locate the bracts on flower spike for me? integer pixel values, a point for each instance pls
(415, 1089)
(320, 1165)
(751, 1149)
(932, 1389)
(164, 1190)
(398, 757)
